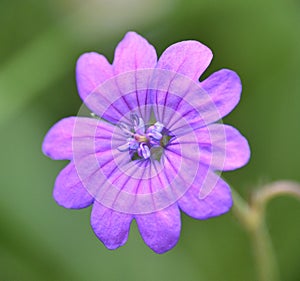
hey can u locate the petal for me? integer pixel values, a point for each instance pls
(69, 191)
(120, 96)
(58, 141)
(160, 230)
(92, 69)
(199, 103)
(76, 135)
(179, 99)
(222, 147)
(217, 200)
(134, 52)
(189, 58)
(224, 87)
(109, 98)
(111, 227)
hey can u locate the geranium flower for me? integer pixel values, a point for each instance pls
(152, 146)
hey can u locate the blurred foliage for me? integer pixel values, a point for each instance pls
(40, 43)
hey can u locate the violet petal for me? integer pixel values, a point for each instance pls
(189, 58)
(92, 69)
(216, 202)
(222, 147)
(224, 87)
(111, 227)
(160, 230)
(78, 135)
(179, 99)
(58, 141)
(69, 191)
(134, 52)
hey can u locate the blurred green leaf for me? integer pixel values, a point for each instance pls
(32, 70)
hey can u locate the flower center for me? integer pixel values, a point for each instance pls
(143, 141)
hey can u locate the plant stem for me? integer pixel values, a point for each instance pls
(266, 263)
(252, 219)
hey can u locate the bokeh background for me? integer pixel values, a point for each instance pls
(40, 42)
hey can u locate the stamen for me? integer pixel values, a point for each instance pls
(142, 143)
(133, 144)
(124, 147)
(154, 134)
(125, 128)
(134, 119)
(138, 123)
(144, 151)
(159, 126)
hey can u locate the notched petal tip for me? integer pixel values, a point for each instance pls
(216, 202)
(238, 150)
(69, 191)
(132, 35)
(160, 230)
(189, 58)
(134, 52)
(225, 88)
(92, 69)
(111, 227)
(223, 147)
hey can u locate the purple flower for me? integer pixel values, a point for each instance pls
(152, 145)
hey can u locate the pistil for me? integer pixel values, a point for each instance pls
(140, 138)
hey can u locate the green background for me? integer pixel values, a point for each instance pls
(40, 42)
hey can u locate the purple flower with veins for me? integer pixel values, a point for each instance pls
(151, 146)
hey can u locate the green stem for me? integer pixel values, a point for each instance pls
(264, 255)
(253, 220)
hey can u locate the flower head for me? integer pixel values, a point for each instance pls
(152, 145)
